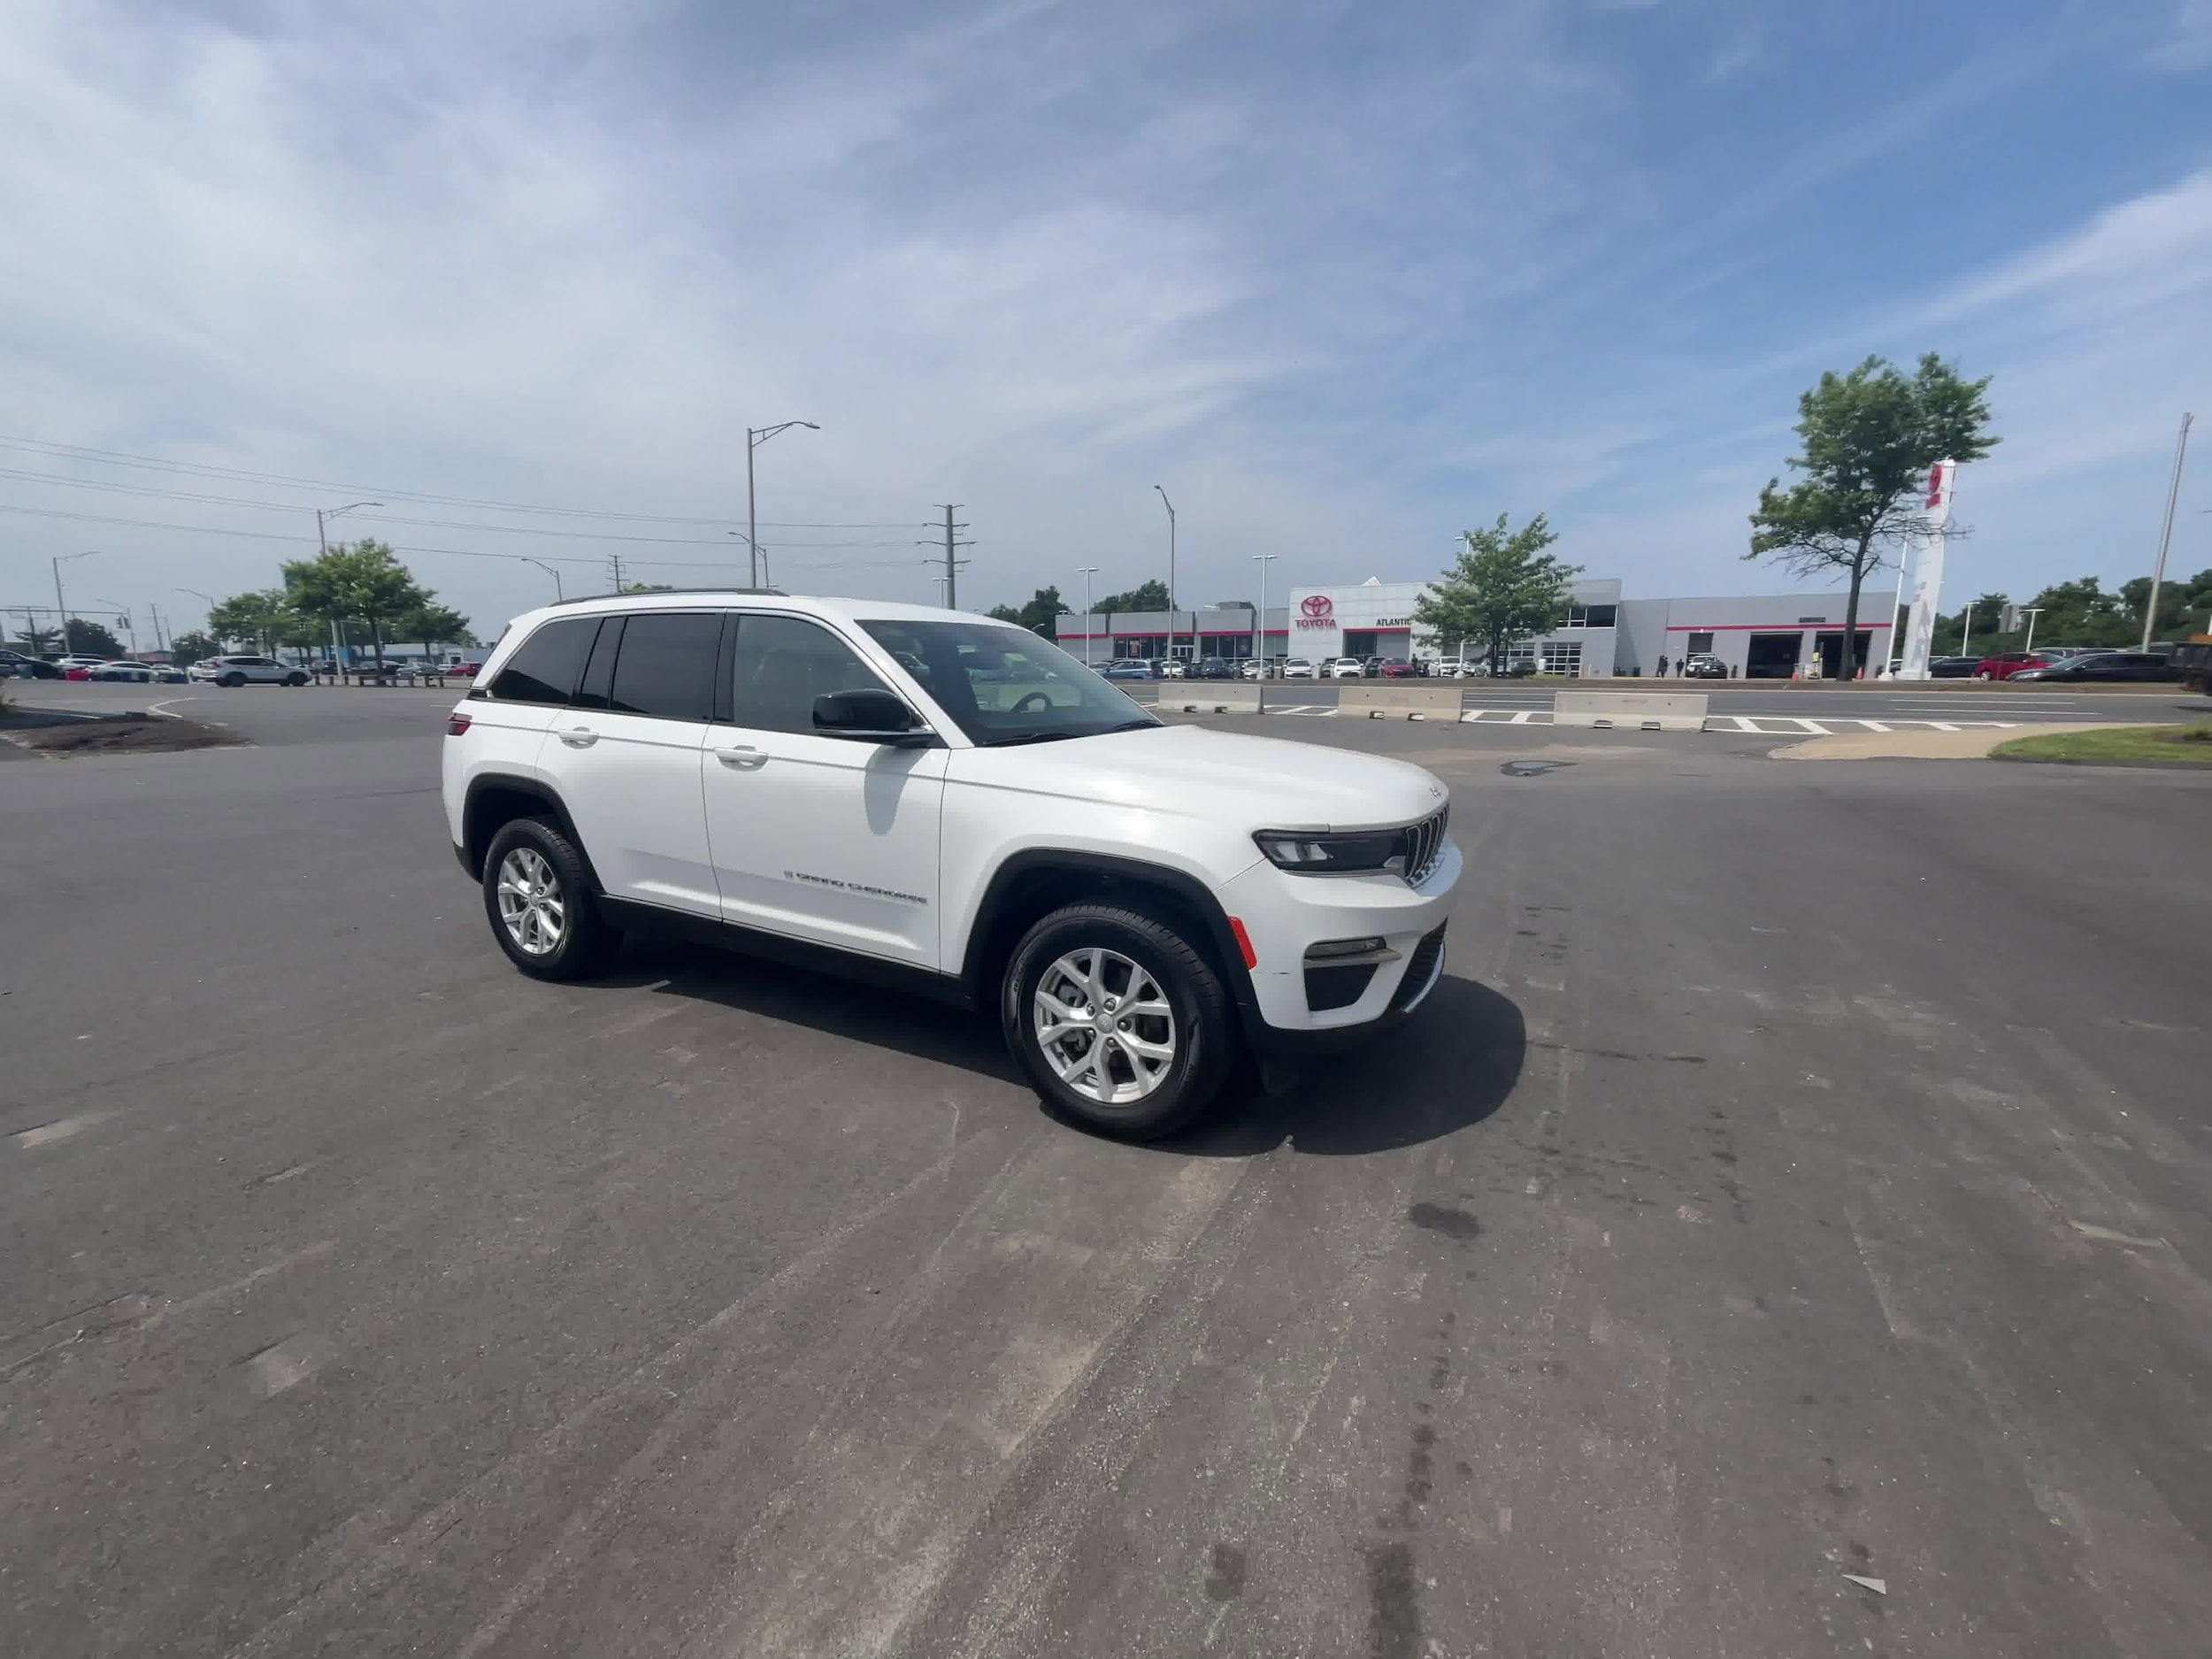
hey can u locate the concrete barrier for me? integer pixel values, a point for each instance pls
(1630, 711)
(1393, 700)
(1228, 699)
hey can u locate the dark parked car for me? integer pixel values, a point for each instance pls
(1218, 668)
(1951, 667)
(14, 664)
(2104, 666)
(1703, 667)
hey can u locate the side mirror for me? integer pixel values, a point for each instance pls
(869, 716)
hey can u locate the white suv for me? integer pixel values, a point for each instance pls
(241, 671)
(933, 799)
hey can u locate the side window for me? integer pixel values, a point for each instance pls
(545, 669)
(591, 691)
(783, 664)
(666, 666)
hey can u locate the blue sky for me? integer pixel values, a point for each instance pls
(1346, 278)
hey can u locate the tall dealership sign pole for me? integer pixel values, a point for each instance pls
(1089, 570)
(1171, 568)
(1927, 585)
(1259, 627)
(2173, 489)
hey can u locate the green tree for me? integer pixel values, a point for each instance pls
(1951, 631)
(1037, 615)
(2080, 612)
(260, 620)
(1150, 595)
(2182, 605)
(92, 639)
(362, 583)
(1870, 438)
(1504, 586)
(190, 648)
(433, 625)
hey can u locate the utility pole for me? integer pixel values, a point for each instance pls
(617, 558)
(953, 563)
(2031, 612)
(1089, 570)
(1966, 629)
(60, 604)
(1171, 571)
(2173, 489)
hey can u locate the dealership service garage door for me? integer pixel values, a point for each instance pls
(1772, 655)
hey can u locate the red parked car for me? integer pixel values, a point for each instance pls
(1397, 668)
(2005, 665)
(464, 671)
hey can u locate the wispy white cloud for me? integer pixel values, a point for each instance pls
(2187, 46)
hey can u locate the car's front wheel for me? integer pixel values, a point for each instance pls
(1119, 1021)
(540, 902)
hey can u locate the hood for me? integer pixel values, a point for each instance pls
(1257, 782)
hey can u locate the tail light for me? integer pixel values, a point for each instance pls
(456, 724)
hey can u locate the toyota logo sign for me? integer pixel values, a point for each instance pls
(1316, 606)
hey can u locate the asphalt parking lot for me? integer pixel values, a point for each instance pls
(1800, 1172)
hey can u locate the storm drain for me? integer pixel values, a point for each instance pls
(1531, 768)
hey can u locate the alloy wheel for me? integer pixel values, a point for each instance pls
(531, 905)
(1103, 1024)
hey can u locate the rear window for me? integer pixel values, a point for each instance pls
(544, 670)
(666, 666)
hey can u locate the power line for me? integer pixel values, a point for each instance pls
(119, 457)
(452, 552)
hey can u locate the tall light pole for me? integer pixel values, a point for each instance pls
(1966, 628)
(322, 542)
(2173, 489)
(558, 597)
(1089, 570)
(1170, 570)
(754, 436)
(2031, 612)
(60, 604)
(1259, 627)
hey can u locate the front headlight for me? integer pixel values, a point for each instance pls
(1328, 853)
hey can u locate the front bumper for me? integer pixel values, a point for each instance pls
(1284, 914)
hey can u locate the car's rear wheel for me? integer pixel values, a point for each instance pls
(1118, 1020)
(295, 679)
(230, 679)
(1982, 673)
(540, 902)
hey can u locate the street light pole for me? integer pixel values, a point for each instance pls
(1259, 628)
(558, 597)
(322, 541)
(1089, 570)
(1170, 570)
(2031, 612)
(2173, 489)
(1966, 628)
(754, 436)
(60, 604)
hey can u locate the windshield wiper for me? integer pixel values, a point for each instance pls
(1031, 737)
(1136, 726)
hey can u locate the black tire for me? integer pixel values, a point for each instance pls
(1203, 1035)
(231, 679)
(584, 942)
(295, 679)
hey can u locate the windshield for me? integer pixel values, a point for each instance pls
(1004, 685)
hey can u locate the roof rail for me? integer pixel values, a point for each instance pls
(593, 599)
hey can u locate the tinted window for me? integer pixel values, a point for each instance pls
(591, 692)
(1603, 616)
(783, 664)
(1004, 685)
(545, 669)
(666, 666)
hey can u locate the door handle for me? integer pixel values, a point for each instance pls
(579, 737)
(743, 758)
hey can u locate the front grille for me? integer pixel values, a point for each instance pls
(1421, 845)
(1419, 966)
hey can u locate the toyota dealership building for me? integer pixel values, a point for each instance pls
(1767, 636)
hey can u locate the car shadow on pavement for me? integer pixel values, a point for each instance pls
(1449, 1067)
(904, 1021)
